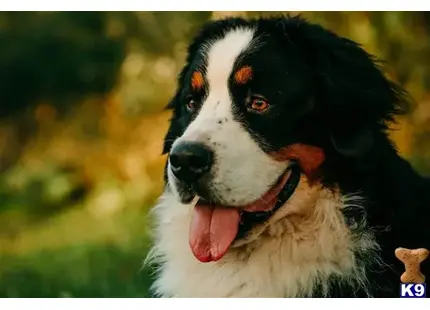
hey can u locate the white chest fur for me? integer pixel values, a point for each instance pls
(304, 244)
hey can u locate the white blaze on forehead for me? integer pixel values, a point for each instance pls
(222, 55)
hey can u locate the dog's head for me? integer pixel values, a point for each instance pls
(259, 102)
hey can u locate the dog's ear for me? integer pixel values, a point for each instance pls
(353, 142)
(352, 93)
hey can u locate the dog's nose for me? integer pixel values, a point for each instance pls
(189, 161)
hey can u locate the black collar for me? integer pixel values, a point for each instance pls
(248, 219)
(289, 187)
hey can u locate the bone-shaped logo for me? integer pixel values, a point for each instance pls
(412, 260)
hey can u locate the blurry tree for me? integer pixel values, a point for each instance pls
(157, 43)
(156, 33)
(51, 63)
(61, 58)
(54, 57)
(57, 57)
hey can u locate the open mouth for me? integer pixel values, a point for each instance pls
(214, 228)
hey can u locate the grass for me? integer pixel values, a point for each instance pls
(78, 253)
(80, 271)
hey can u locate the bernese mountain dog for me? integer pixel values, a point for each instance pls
(281, 178)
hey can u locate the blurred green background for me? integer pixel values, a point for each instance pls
(81, 129)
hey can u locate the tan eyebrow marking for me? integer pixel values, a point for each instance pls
(197, 80)
(243, 75)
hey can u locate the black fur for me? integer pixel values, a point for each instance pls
(326, 91)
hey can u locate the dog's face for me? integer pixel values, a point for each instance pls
(256, 97)
(236, 94)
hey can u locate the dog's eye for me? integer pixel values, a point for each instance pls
(258, 104)
(191, 104)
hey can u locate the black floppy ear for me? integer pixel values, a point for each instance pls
(354, 97)
(352, 143)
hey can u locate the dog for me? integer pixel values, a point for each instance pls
(281, 178)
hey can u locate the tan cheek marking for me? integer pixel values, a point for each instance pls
(243, 75)
(308, 157)
(197, 80)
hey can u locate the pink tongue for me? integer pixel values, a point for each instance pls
(212, 231)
